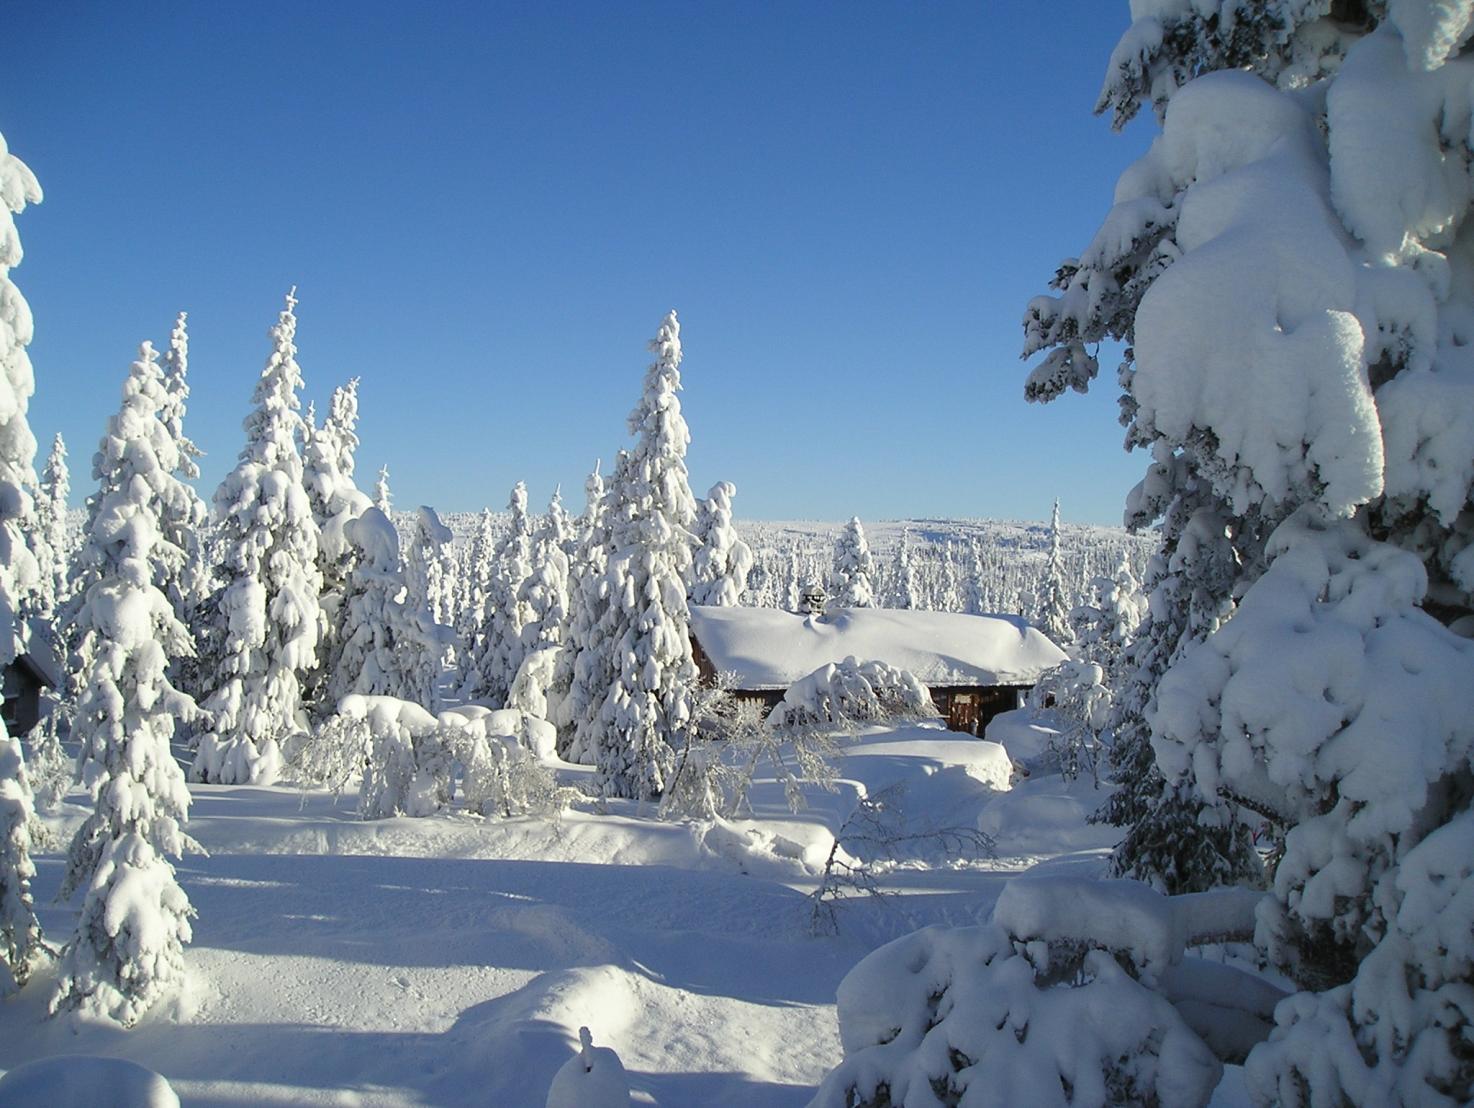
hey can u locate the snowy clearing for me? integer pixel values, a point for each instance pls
(451, 960)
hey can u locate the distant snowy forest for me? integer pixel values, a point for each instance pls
(1271, 680)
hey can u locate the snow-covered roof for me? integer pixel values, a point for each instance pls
(771, 649)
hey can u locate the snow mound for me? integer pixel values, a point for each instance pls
(79, 1081)
(593, 1078)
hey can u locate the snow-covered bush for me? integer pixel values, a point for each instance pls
(51, 770)
(880, 832)
(716, 759)
(850, 692)
(503, 778)
(407, 769)
(410, 763)
(332, 756)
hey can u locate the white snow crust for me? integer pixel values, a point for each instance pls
(771, 649)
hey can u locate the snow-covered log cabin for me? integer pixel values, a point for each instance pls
(973, 666)
(23, 680)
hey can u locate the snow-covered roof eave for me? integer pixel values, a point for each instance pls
(767, 650)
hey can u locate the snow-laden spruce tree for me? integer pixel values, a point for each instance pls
(905, 588)
(422, 657)
(383, 638)
(269, 605)
(20, 933)
(128, 950)
(336, 500)
(853, 581)
(580, 677)
(1290, 268)
(475, 583)
(493, 665)
(182, 517)
(544, 593)
(1106, 627)
(651, 513)
(722, 560)
(53, 551)
(383, 498)
(20, 936)
(1052, 604)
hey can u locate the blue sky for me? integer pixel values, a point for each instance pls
(487, 208)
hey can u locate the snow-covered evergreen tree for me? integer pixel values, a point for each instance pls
(978, 599)
(383, 499)
(128, 948)
(182, 519)
(906, 590)
(854, 571)
(383, 638)
(335, 500)
(270, 602)
(20, 933)
(51, 526)
(544, 594)
(475, 584)
(722, 560)
(1051, 613)
(422, 658)
(494, 664)
(580, 678)
(1104, 629)
(1289, 270)
(651, 512)
(20, 936)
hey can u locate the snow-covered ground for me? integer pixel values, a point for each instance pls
(451, 960)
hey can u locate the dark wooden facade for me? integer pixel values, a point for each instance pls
(23, 681)
(971, 708)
